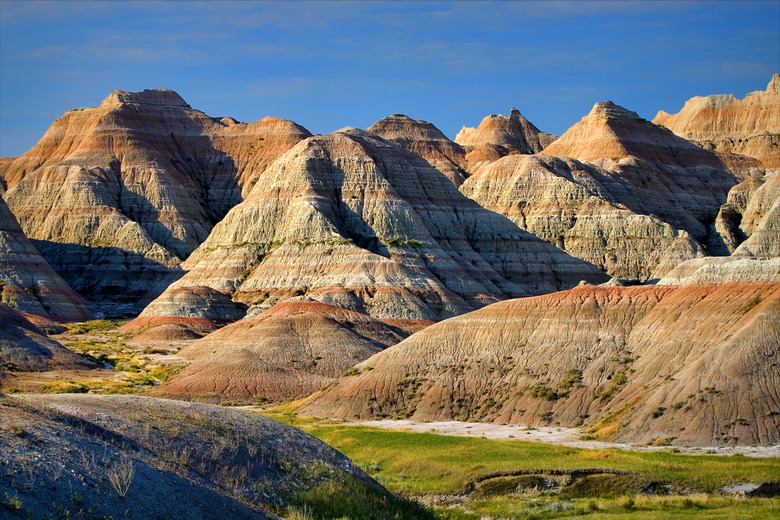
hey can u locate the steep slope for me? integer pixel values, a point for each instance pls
(139, 457)
(117, 196)
(743, 132)
(24, 348)
(27, 282)
(355, 221)
(425, 140)
(607, 356)
(570, 204)
(498, 135)
(287, 352)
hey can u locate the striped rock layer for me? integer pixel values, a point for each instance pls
(693, 364)
(116, 196)
(352, 220)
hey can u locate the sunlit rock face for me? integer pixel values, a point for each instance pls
(498, 135)
(425, 140)
(745, 133)
(624, 194)
(355, 221)
(116, 196)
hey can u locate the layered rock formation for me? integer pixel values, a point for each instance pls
(694, 364)
(25, 348)
(745, 133)
(498, 135)
(287, 352)
(117, 196)
(425, 140)
(723, 269)
(27, 282)
(353, 220)
(626, 195)
(570, 204)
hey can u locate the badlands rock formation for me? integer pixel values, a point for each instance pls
(353, 220)
(135, 185)
(569, 204)
(498, 135)
(696, 364)
(635, 200)
(25, 348)
(425, 140)
(723, 269)
(287, 352)
(745, 133)
(27, 282)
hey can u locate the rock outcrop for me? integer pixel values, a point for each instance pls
(27, 282)
(355, 221)
(498, 135)
(425, 140)
(584, 210)
(287, 352)
(25, 348)
(745, 133)
(116, 196)
(723, 269)
(693, 365)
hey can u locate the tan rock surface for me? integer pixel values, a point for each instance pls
(287, 352)
(135, 185)
(610, 131)
(608, 356)
(732, 127)
(425, 140)
(584, 210)
(498, 135)
(723, 269)
(27, 282)
(355, 221)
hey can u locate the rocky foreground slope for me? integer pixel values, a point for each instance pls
(352, 220)
(116, 196)
(287, 352)
(27, 281)
(693, 364)
(625, 195)
(138, 457)
(745, 133)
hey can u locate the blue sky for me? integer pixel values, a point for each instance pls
(327, 65)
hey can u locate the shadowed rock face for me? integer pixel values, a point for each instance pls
(586, 210)
(27, 282)
(287, 352)
(24, 348)
(621, 358)
(425, 140)
(139, 180)
(355, 221)
(743, 132)
(498, 135)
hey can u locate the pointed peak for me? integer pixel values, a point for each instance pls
(774, 84)
(157, 97)
(610, 110)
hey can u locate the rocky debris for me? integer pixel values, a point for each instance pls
(498, 135)
(714, 270)
(593, 213)
(27, 281)
(287, 352)
(690, 365)
(745, 133)
(427, 141)
(355, 221)
(140, 457)
(117, 196)
(25, 348)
